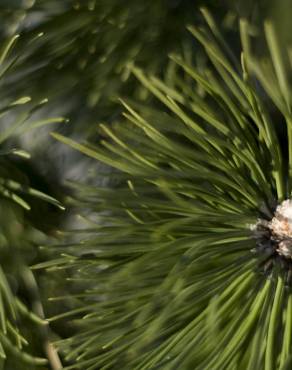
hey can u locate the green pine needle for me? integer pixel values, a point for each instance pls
(166, 276)
(16, 119)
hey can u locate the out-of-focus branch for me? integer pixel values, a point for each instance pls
(49, 349)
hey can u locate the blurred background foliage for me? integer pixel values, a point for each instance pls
(23, 330)
(80, 60)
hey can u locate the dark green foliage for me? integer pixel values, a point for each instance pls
(168, 271)
(20, 312)
(82, 59)
(167, 278)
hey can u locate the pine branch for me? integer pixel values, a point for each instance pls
(170, 272)
(17, 118)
